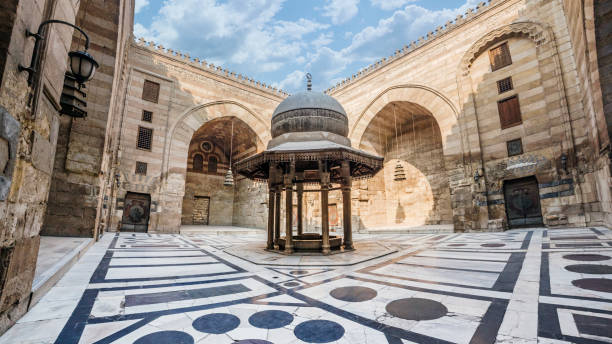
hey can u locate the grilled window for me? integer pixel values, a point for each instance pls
(141, 168)
(504, 85)
(212, 164)
(198, 163)
(147, 116)
(145, 138)
(150, 91)
(509, 112)
(515, 147)
(500, 57)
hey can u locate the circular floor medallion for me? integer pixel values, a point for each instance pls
(416, 309)
(591, 269)
(586, 257)
(166, 337)
(253, 341)
(270, 319)
(353, 294)
(595, 284)
(493, 245)
(319, 331)
(456, 245)
(298, 272)
(291, 284)
(216, 323)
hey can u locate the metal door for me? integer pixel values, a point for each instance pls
(136, 212)
(200, 210)
(522, 198)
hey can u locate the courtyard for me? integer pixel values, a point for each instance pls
(519, 286)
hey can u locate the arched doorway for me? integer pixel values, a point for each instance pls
(408, 137)
(207, 201)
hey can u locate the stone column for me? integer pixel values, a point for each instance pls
(289, 214)
(346, 205)
(271, 195)
(277, 213)
(300, 220)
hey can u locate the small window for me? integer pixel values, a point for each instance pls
(145, 138)
(212, 164)
(150, 91)
(500, 57)
(141, 168)
(198, 163)
(515, 147)
(147, 116)
(509, 112)
(504, 85)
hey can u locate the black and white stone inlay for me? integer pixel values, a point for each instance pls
(166, 337)
(353, 294)
(416, 309)
(595, 284)
(586, 257)
(216, 323)
(591, 269)
(319, 331)
(271, 319)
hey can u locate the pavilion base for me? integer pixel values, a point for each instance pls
(312, 244)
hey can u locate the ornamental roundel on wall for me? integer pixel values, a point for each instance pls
(206, 146)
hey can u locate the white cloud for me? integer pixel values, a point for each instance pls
(341, 11)
(140, 4)
(323, 39)
(294, 80)
(390, 4)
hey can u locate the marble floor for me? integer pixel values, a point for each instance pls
(522, 286)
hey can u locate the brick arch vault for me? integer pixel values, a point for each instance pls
(174, 165)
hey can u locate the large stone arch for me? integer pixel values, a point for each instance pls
(176, 149)
(442, 109)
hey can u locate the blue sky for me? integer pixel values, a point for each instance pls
(278, 41)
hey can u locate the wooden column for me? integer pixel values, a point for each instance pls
(300, 217)
(346, 205)
(288, 214)
(277, 213)
(271, 203)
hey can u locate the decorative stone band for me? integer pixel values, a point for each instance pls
(307, 119)
(363, 165)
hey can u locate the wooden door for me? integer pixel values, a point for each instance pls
(136, 210)
(333, 216)
(522, 198)
(200, 210)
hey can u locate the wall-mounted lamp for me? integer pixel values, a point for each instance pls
(477, 175)
(82, 64)
(564, 162)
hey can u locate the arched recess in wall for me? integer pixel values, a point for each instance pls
(441, 108)
(547, 55)
(180, 134)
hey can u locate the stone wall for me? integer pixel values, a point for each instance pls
(221, 204)
(32, 115)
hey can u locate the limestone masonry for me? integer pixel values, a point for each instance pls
(499, 119)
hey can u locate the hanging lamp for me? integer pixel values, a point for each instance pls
(399, 174)
(229, 176)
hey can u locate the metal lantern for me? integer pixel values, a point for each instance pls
(229, 178)
(399, 174)
(82, 65)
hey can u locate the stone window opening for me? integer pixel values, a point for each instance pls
(504, 85)
(198, 163)
(141, 168)
(500, 56)
(145, 138)
(150, 91)
(147, 116)
(515, 147)
(509, 112)
(212, 164)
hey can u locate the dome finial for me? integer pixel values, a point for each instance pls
(308, 81)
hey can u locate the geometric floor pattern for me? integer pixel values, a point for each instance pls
(521, 286)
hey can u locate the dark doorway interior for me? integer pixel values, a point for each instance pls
(522, 198)
(136, 212)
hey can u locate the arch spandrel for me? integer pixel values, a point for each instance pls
(434, 102)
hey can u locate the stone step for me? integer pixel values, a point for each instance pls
(433, 229)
